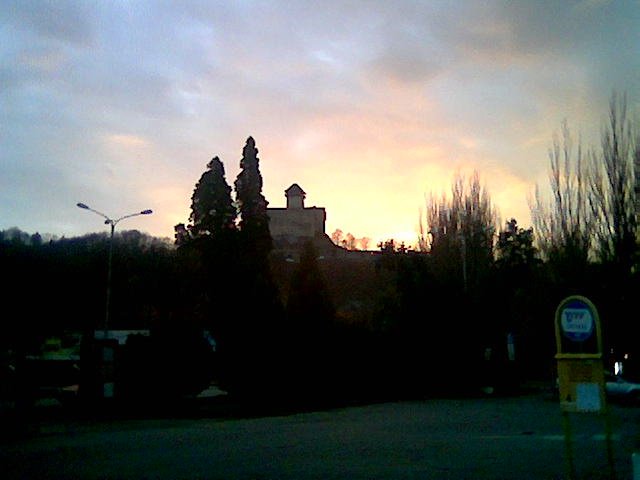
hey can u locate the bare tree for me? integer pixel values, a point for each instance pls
(460, 229)
(564, 224)
(336, 236)
(612, 189)
(350, 242)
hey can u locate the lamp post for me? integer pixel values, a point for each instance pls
(113, 223)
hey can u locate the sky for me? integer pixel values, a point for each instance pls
(370, 106)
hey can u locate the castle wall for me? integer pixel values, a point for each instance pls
(294, 223)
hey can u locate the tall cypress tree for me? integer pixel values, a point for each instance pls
(257, 325)
(254, 221)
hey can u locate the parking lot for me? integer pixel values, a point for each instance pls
(498, 438)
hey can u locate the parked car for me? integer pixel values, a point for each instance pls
(619, 388)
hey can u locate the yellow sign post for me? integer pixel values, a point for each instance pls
(579, 344)
(580, 370)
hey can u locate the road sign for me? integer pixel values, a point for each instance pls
(578, 327)
(580, 370)
(577, 323)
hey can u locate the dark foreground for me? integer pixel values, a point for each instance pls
(493, 438)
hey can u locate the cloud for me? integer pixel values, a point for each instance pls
(66, 21)
(367, 105)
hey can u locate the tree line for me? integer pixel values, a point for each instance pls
(472, 307)
(588, 232)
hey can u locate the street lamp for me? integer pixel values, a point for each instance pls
(113, 223)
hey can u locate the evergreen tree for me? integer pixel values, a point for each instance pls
(212, 209)
(254, 222)
(249, 354)
(517, 284)
(515, 250)
(207, 250)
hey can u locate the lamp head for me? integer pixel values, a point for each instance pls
(146, 212)
(82, 205)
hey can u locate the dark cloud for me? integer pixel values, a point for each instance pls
(408, 55)
(62, 20)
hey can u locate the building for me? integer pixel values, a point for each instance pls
(295, 225)
(296, 221)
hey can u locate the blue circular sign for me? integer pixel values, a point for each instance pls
(577, 321)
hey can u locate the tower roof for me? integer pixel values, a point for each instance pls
(294, 191)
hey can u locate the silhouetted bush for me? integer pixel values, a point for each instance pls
(164, 366)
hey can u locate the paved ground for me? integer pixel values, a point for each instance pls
(495, 438)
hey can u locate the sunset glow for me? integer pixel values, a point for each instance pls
(369, 106)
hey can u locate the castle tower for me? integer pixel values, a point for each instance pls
(296, 222)
(295, 196)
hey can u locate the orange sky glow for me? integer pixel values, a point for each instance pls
(368, 106)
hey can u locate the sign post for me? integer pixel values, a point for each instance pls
(580, 370)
